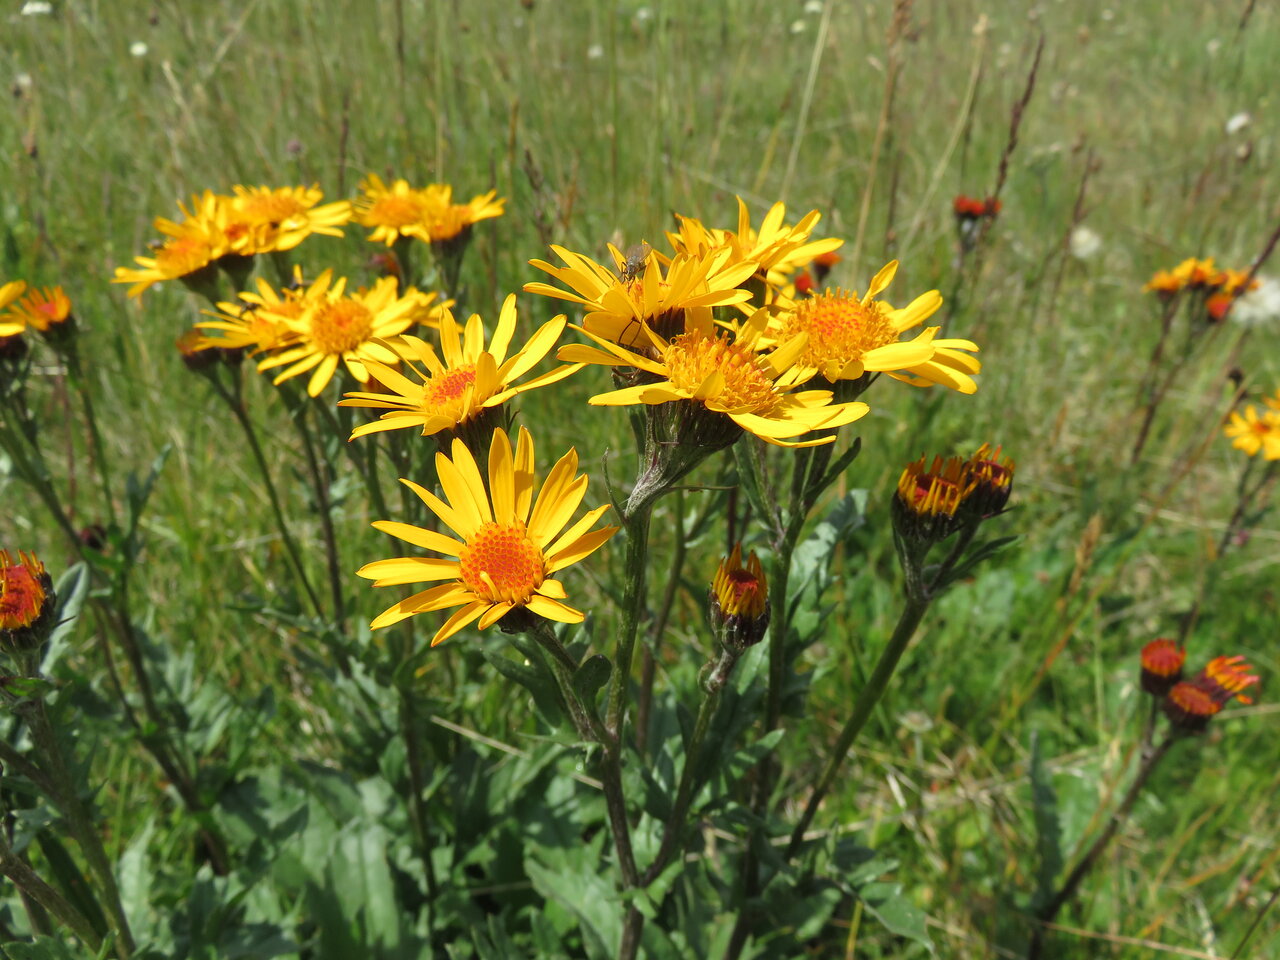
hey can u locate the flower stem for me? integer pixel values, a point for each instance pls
(32, 885)
(235, 401)
(633, 596)
(690, 775)
(67, 797)
(1046, 914)
(868, 697)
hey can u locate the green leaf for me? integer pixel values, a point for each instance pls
(591, 676)
(72, 589)
(900, 916)
(74, 884)
(43, 948)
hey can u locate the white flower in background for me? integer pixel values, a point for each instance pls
(1084, 243)
(22, 83)
(595, 51)
(813, 7)
(36, 8)
(1212, 46)
(797, 26)
(137, 49)
(1238, 123)
(1258, 307)
(643, 14)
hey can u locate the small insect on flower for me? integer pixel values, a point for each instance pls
(633, 266)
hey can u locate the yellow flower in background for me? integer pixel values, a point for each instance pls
(507, 545)
(340, 328)
(1191, 273)
(280, 218)
(732, 376)
(191, 247)
(1273, 402)
(1253, 433)
(258, 322)
(40, 309)
(775, 248)
(464, 381)
(10, 292)
(392, 211)
(850, 336)
(621, 302)
(445, 220)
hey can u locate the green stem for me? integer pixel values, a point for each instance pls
(236, 404)
(1046, 914)
(633, 596)
(32, 885)
(67, 796)
(95, 435)
(320, 483)
(868, 697)
(693, 767)
(417, 785)
(644, 701)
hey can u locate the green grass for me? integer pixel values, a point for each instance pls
(681, 110)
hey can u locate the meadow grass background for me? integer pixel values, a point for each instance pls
(627, 112)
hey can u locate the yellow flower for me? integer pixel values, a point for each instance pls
(621, 302)
(776, 248)
(10, 292)
(1252, 433)
(393, 212)
(1273, 402)
(727, 376)
(849, 337)
(280, 218)
(259, 321)
(40, 309)
(507, 544)
(1192, 273)
(468, 382)
(445, 220)
(193, 246)
(345, 328)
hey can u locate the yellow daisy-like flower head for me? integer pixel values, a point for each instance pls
(446, 221)
(776, 248)
(280, 218)
(259, 322)
(850, 336)
(734, 379)
(337, 327)
(41, 309)
(621, 303)
(9, 292)
(393, 211)
(1253, 433)
(507, 544)
(464, 384)
(189, 254)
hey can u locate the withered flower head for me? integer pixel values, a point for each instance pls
(1162, 662)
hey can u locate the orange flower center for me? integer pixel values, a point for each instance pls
(21, 597)
(48, 308)
(342, 326)
(450, 385)
(840, 327)
(501, 564)
(693, 357)
(747, 595)
(450, 222)
(395, 210)
(183, 255)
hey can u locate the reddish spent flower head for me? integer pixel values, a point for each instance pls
(968, 207)
(991, 206)
(1218, 305)
(804, 282)
(1190, 707)
(823, 263)
(26, 602)
(1228, 677)
(1162, 662)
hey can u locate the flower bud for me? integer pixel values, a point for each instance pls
(925, 508)
(1191, 704)
(992, 483)
(739, 601)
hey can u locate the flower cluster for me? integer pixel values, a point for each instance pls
(1191, 704)
(973, 208)
(428, 214)
(1255, 431)
(228, 230)
(1219, 287)
(933, 502)
(719, 328)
